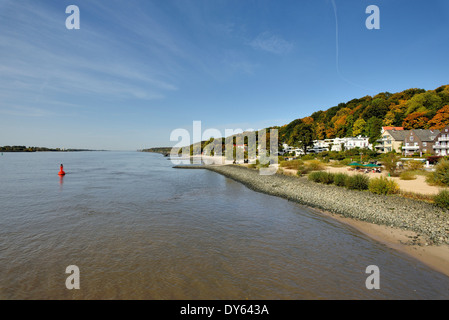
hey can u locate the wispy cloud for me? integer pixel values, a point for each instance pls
(41, 60)
(24, 111)
(272, 43)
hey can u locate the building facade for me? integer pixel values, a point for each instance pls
(391, 140)
(420, 141)
(441, 146)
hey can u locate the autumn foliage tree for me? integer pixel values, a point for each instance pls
(441, 119)
(412, 109)
(416, 120)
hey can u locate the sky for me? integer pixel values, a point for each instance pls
(137, 70)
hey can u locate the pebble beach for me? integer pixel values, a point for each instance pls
(429, 222)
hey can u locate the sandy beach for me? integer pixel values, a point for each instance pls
(419, 185)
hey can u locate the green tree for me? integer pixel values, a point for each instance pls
(374, 127)
(424, 102)
(302, 136)
(359, 127)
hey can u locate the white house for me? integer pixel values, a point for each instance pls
(357, 142)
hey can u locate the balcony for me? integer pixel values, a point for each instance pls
(410, 148)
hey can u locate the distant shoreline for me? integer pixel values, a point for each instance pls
(24, 149)
(53, 151)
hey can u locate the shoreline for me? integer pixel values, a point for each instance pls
(409, 226)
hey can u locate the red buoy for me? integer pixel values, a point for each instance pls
(61, 171)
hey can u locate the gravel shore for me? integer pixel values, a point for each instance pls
(428, 221)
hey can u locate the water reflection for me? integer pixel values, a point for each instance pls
(61, 182)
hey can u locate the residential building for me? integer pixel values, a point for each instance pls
(419, 141)
(441, 146)
(288, 149)
(391, 128)
(337, 144)
(391, 140)
(357, 142)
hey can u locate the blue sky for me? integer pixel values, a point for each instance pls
(136, 70)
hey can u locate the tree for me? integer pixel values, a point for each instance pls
(441, 119)
(320, 131)
(377, 108)
(359, 127)
(374, 127)
(424, 102)
(302, 136)
(416, 120)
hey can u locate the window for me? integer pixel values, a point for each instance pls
(424, 144)
(411, 138)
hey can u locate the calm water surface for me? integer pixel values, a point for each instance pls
(138, 229)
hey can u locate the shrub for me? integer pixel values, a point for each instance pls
(252, 166)
(434, 159)
(308, 157)
(442, 199)
(326, 177)
(441, 174)
(336, 155)
(315, 165)
(389, 160)
(293, 164)
(383, 185)
(415, 165)
(315, 176)
(340, 179)
(321, 177)
(303, 170)
(345, 162)
(357, 182)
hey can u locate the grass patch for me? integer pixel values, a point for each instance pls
(315, 165)
(293, 164)
(407, 175)
(416, 196)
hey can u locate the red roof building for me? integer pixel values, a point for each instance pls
(392, 128)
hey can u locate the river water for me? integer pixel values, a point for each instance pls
(138, 229)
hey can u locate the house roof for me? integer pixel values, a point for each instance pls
(426, 134)
(398, 135)
(393, 128)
